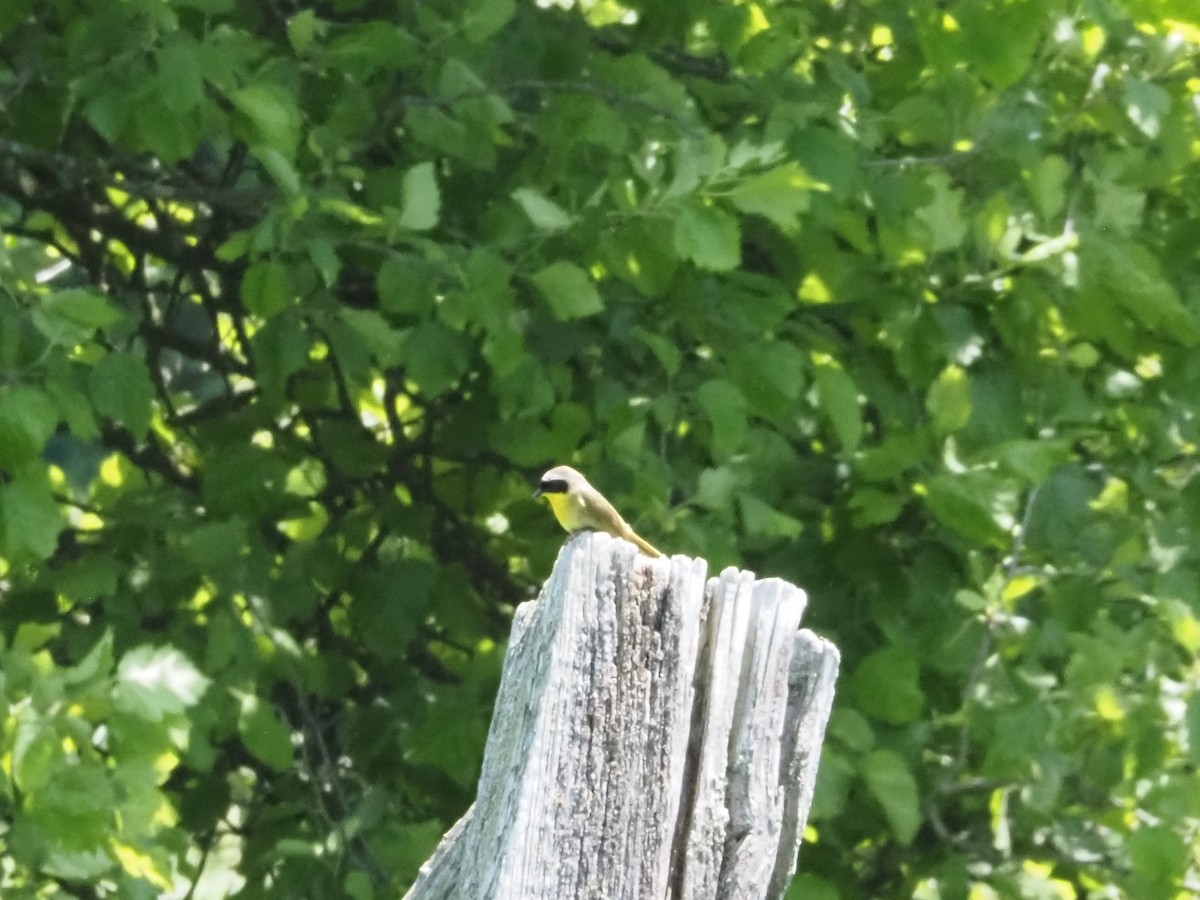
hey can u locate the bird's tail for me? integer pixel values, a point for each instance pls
(642, 544)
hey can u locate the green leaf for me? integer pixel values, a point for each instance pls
(665, 352)
(96, 665)
(919, 119)
(891, 457)
(725, 408)
(325, 259)
(1146, 104)
(886, 685)
(78, 865)
(390, 604)
(714, 488)
(444, 134)
(640, 252)
(264, 288)
(412, 843)
(527, 441)
(180, 78)
(545, 214)
(892, 784)
(839, 398)
(84, 579)
(1127, 275)
(30, 519)
(942, 216)
(280, 350)
(263, 733)
(450, 736)
(378, 334)
(422, 200)
(360, 50)
(949, 400)
(486, 298)
(302, 31)
(1033, 460)
(405, 285)
(14, 12)
(1192, 725)
(27, 420)
(1047, 184)
(153, 682)
(244, 480)
(1119, 209)
(696, 159)
(436, 357)
(780, 195)
(484, 18)
(568, 290)
(1018, 738)
(71, 317)
(708, 237)
(36, 750)
(763, 520)
(978, 505)
(215, 543)
(271, 114)
(999, 40)
(806, 886)
(771, 375)
(1159, 857)
(872, 506)
(122, 390)
(852, 730)
(280, 168)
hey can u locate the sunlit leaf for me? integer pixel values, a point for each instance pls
(30, 519)
(272, 114)
(887, 685)
(839, 399)
(72, 316)
(892, 784)
(568, 290)
(725, 407)
(27, 419)
(780, 194)
(544, 213)
(421, 198)
(949, 400)
(157, 681)
(708, 237)
(264, 734)
(122, 391)
(265, 288)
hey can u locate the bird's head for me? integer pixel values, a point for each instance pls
(559, 480)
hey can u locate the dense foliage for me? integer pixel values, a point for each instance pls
(896, 299)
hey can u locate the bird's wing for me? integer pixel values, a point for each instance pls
(600, 511)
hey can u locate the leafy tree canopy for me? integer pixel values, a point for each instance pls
(896, 299)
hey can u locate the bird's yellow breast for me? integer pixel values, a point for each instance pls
(568, 510)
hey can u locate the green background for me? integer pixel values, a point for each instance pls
(897, 300)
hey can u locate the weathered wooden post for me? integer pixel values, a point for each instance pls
(655, 737)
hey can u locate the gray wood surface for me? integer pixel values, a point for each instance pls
(656, 735)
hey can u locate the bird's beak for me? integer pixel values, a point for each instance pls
(537, 493)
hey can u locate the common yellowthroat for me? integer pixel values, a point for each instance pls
(578, 506)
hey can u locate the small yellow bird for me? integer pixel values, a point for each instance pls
(579, 507)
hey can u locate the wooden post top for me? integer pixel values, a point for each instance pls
(656, 735)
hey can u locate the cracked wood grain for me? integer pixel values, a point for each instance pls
(656, 735)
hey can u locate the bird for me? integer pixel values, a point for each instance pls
(580, 507)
